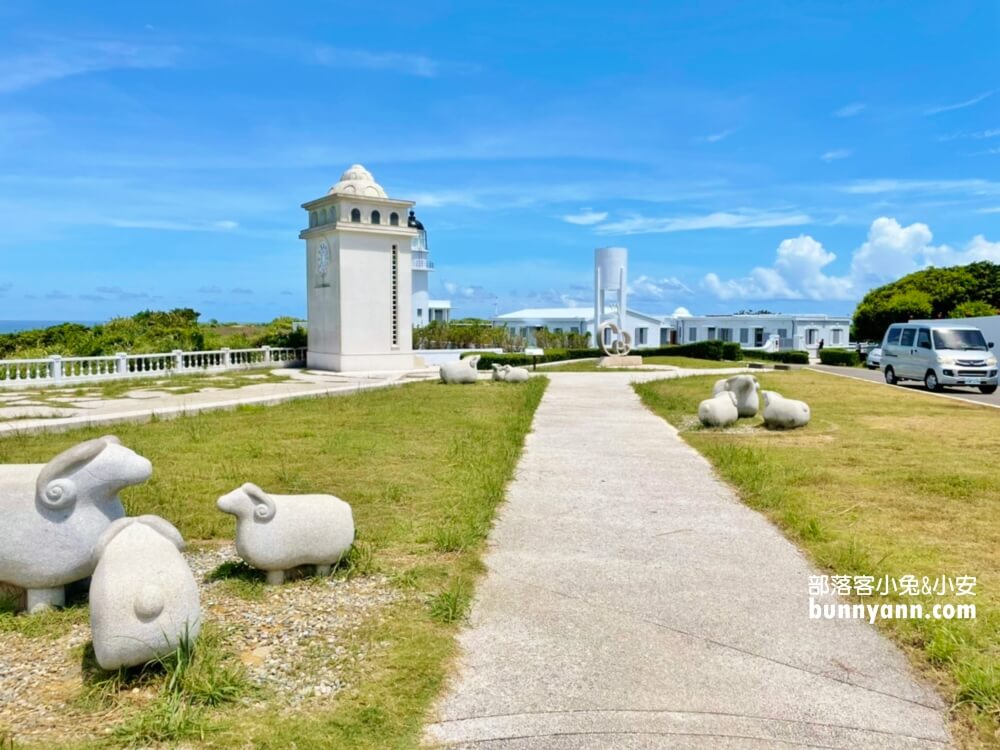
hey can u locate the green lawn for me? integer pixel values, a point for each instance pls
(688, 362)
(881, 482)
(424, 467)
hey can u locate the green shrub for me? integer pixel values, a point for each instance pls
(846, 357)
(790, 356)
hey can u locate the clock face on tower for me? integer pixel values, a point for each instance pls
(322, 263)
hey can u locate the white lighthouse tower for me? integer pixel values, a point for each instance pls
(358, 277)
(422, 267)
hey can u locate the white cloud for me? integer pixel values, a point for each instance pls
(396, 62)
(63, 58)
(646, 286)
(838, 153)
(586, 217)
(738, 219)
(850, 110)
(889, 252)
(716, 137)
(961, 105)
(226, 225)
(681, 312)
(873, 187)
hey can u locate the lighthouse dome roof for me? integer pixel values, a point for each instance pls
(357, 180)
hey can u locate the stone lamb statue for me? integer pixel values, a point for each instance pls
(784, 413)
(276, 533)
(508, 374)
(143, 597)
(745, 387)
(463, 371)
(719, 411)
(48, 527)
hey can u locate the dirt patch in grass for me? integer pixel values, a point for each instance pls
(882, 482)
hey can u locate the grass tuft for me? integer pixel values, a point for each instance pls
(452, 604)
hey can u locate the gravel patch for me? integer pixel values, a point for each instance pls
(298, 642)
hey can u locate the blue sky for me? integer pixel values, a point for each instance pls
(781, 155)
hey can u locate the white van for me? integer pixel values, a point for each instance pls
(939, 355)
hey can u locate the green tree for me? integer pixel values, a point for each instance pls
(972, 309)
(930, 293)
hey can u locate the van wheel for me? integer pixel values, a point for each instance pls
(890, 376)
(931, 381)
(987, 389)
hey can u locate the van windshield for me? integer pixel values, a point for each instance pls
(953, 338)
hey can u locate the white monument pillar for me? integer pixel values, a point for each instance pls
(610, 275)
(359, 277)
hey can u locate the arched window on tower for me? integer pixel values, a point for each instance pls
(394, 219)
(322, 216)
(356, 215)
(312, 218)
(376, 217)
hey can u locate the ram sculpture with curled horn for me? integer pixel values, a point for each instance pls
(276, 533)
(611, 275)
(50, 520)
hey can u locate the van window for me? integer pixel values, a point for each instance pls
(966, 340)
(893, 337)
(923, 339)
(907, 338)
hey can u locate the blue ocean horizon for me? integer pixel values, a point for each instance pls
(14, 326)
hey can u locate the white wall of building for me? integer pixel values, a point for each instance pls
(359, 278)
(647, 331)
(769, 332)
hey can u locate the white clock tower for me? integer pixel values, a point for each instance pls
(359, 280)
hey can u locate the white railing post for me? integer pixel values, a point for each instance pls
(227, 361)
(178, 359)
(267, 354)
(55, 367)
(121, 365)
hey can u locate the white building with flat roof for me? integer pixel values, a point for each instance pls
(646, 330)
(767, 331)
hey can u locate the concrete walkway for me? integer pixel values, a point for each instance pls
(21, 411)
(633, 602)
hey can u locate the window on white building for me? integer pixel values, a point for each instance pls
(836, 334)
(711, 333)
(725, 334)
(356, 215)
(640, 335)
(394, 219)
(811, 336)
(692, 334)
(376, 217)
(744, 335)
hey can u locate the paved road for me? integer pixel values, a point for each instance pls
(632, 601)
(967, 394)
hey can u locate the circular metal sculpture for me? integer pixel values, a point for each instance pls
(621, 343)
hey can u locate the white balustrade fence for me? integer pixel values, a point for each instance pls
(56, 370)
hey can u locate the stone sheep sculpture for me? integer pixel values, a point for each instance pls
(745, 387)
(276, 533)
(463, 371)
(508, 374)
(719, 411)
(49, 527)
(784, 413)
(143, 597)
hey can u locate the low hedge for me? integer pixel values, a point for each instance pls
(846, 357)
(789, 356)
(712, 350)
(518, 359)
